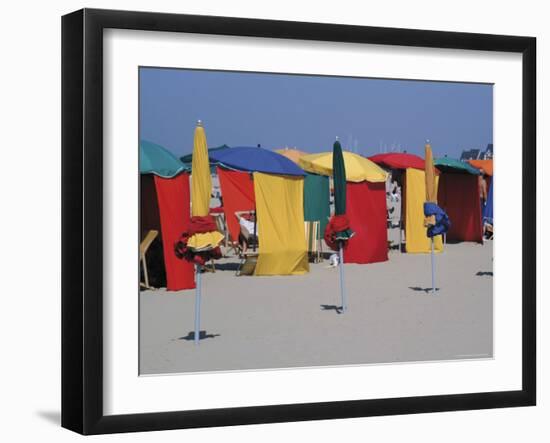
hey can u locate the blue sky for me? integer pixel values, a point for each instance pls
(274, 110)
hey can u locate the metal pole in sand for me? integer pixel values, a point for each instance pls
(198, 305)
(433, 271)
(342, 287)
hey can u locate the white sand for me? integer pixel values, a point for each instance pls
(277, 322)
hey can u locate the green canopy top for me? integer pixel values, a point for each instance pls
(454, 165)
(154, 159)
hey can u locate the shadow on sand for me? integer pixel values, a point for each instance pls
(227, 266)
(338, 309)
(419, 289)
(202, 335)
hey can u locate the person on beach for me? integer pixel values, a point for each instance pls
(482, 181)
(249, 229)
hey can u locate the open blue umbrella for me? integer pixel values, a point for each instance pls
(256, 160)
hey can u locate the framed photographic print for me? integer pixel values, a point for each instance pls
(269, 221)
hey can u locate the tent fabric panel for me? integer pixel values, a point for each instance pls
(317, 199)
(486, 165)
(459, 196)
(149, 219)
(280, 212)
(366, 210)
(415, 232)
(238, 195)
(174, 202)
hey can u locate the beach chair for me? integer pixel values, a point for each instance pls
(143, 247)
(313, 239)
(249, 258)
(220, 224)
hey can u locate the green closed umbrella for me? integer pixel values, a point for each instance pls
(339, 179)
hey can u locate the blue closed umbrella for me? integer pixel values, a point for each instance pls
(256, 160)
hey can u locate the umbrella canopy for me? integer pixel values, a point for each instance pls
(154, 159)
(398, 160)
(429, 174)
(357, 168)
(189, 157)
(256, 160)
(486, 165)
(201, 182)
(453, 165)
(291, 153)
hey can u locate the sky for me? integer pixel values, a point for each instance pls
(309, 112)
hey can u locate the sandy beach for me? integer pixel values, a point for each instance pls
(293, 321)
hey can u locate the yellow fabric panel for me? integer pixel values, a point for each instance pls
(358, 168)
(280, 211)
(415, 196)
(205, 241)
(201, 182)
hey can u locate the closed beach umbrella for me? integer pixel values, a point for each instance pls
(429, 173)
(201, 182)
(339, 177)
(339, 183)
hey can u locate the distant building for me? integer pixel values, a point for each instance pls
(477, 154)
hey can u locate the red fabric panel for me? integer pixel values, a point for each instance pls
(174, 208)
(366, 209)
(238, 195)
(458, 195)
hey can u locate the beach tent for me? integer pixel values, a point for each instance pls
(238, 195)
(486, 165)
(278, 195)
(458, 195)
(413, 197)
(165, 207)
(316, 191)
(365, 204)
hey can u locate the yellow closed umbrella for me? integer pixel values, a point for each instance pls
(358, 168)
(201, 182)
(201, 188)
(429, 175)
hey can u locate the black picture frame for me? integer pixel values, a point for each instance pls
(82, 218)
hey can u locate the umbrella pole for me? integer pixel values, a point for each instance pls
(342, 287)
(198, 306)
(433, 271)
